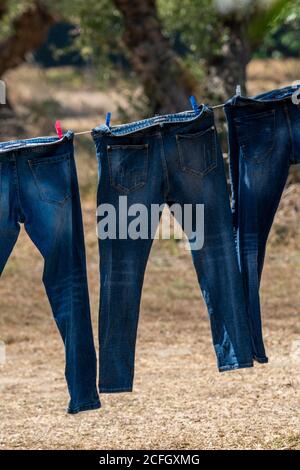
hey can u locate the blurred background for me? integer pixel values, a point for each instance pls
(75, 61)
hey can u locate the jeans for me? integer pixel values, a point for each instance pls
(264, 140)
(166, 159)
(38, 187)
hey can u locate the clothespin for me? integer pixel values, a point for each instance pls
(108, 117)
(194, 103)
(238, 90)
(58, 129)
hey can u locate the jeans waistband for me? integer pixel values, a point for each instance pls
(130, 128)
(273, 97)
(28, 144)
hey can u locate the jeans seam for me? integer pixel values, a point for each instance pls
(290, 132)
(165, 166)
(18, 190)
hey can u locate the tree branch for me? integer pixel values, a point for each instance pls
(30, 31)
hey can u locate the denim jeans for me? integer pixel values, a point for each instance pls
(264, 141)
(38, 187)
(166, 159)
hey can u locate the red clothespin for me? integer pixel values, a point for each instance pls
(58, 129)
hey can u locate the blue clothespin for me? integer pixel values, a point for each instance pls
(194, 103)
(107, 122)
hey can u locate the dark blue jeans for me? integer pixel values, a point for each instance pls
(166, 159)
(38, 187)
(264, 141)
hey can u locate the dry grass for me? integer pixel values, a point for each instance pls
(180, 400)
(265, 75)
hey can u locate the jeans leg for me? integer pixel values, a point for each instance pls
(57, 231)
(7, 242)
(123, 258)
(122, 268)
(9, 225)
(217, 266)
(258, 205)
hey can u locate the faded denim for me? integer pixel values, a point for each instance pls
(39, 188)
(167, 159)
(264, 141)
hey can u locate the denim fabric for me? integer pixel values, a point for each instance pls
(167, 159)
(38, 187)
(264, 140)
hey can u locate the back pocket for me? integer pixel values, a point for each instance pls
(128, 166)
(197, 152)
(52, 176)
(256, 135)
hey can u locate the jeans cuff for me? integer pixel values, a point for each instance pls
(261, 360)
(235, 366)
(84, 407)
(115, 390)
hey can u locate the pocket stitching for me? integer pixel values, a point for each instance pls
(118, 186)
(42, 195)
(211, 167)
(248, 117)
(41, 160)
(195, 135)
(261, 158)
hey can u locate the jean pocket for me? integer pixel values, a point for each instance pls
(197, 152)
(256, 135)
(52, 176)
(128, 166)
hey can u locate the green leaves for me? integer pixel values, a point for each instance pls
(265, 17)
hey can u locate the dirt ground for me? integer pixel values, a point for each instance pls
(180, 400)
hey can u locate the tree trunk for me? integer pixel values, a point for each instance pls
(30, 32)
(3, 8)
(230, 66)
(166, 83)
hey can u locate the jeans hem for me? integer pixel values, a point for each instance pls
(84, 407)
(235, 366)
(261, 360)
(115, 390)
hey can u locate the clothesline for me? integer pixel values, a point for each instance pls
(88, 132)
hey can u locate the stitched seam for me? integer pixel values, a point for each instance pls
(265, 155)
(144, 175)
(56, 159)
(130, 146)
(40, 192)
(18, 190)
(197, 134)
(248, 117)
(290, 132)
(209, 168)
(165, 166)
